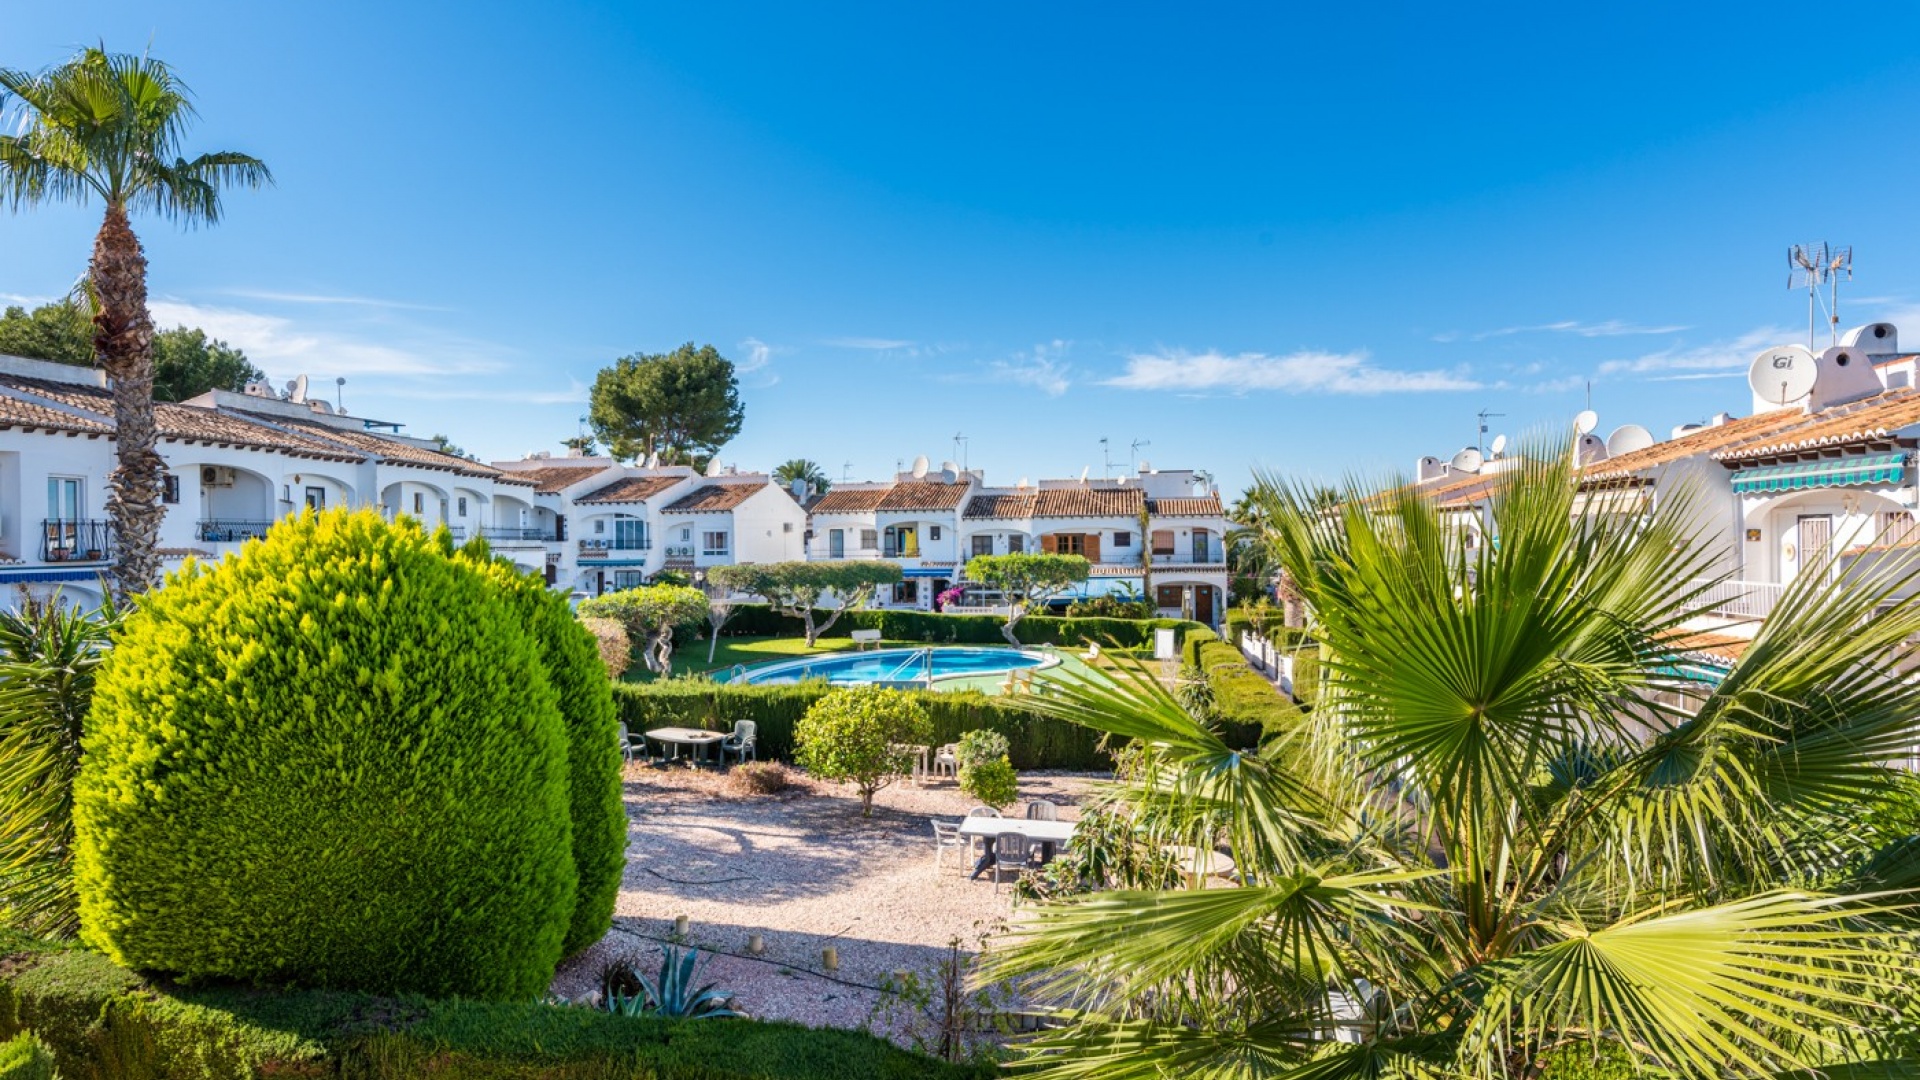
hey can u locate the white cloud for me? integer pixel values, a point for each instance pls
(1306, 372)
(322, 298)
(1730, 356)
(281, 346)
(1044, 368)
(1609, 328)
(759, 355)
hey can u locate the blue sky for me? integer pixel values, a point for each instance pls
(1310, 241)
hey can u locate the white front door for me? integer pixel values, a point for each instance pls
(1815, 542)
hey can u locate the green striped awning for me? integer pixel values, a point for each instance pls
(1839, 472)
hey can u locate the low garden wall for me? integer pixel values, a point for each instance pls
(105, 1023)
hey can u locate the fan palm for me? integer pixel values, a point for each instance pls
(802, 469)
(1522, 817)
(110, 126)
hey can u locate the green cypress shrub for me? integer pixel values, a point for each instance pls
(25, 1057)
(334, 759)
(579, 679)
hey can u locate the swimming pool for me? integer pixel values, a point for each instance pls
(893, 667)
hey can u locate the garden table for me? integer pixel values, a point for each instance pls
(1051, 833)
(695, 738)
(1199, 863)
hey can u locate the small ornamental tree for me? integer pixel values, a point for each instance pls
(334, 759)
(651, 613)
(797, 588)
(1027, 581)
(993, 782)
(616, 648)
(863, 736)
(719, 612)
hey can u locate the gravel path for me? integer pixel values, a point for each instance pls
(804, 870)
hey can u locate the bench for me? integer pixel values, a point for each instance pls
(863, 639)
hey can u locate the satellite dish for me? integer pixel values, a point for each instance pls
(1023, 485)
(1686, 429)
(920, 466)
(714, 468)
(1586, 422)
(297, 389)
(1084, 470)
(1468, 460)
(1783, 375)
(1499, 445)
(950, 467)
(950, 474)
(1591, 449)
(1627, 438)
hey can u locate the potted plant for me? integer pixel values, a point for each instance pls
(93, 554)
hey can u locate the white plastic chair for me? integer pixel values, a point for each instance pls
(946, 761)
(626, 742)
(946, 835)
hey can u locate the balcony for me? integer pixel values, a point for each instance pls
(230, 530)
(1198, 557)
(1742, 599)
(75, 540)
(517, 534)
(607, 547)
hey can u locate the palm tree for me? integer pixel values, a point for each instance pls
(110, 126)
(802, 469)
(1522, 820)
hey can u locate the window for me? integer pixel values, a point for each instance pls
(1896, 527)
(600, 527)
(629, 579)
(630, 534)
(1163, 542)
(869, 540)
(170, 489)
(1200, 547)
(419, 503)
(463, 506)
(933, 532)
(64, 497)
(1016, 543)
(836, 543)
(713, 543)
(786, 526)
(1070, 544)
(1123, 539)
(317, 498)
(686, 533)
(983, 545)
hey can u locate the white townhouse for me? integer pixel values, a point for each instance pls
(235, 463)
(1149, 534)
(912, 521)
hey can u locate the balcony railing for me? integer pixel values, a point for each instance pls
(1743, 599)
(601, 547)
(75, 540)
(1200, 557)
(510, 533)
(231, 530)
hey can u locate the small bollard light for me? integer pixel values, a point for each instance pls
(756, 944)
(680, 925)
(830, 958)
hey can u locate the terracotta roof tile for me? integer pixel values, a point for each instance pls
(713, 498)
(1706, 440)
(1088, 502)
(630, 489)
(1003, 507)
(554, 478)
(924, 496)
(212, 426)
(395, 450)
(850, 500)
(31, 414)
(1874, 419)
(1202, 506)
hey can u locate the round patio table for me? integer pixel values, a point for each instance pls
(694, 738)
(1199, 863)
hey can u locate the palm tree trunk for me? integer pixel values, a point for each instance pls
(123, 346)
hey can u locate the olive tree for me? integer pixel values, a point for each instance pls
(864, 736)
(650, 613)
(799, 588)
(1027, 581)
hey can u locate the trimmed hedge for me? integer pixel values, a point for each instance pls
(1237, 623)
(1034, 741)
(757, 620)
(1241, 695)
(334, 759)
(105, 1023)
(597, 810)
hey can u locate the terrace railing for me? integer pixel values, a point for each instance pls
(513, 533)
(1743, 599)
(231, 530)
(76, 540)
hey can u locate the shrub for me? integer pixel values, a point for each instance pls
(1240, 698)
(1035, 741)
(758, 778)
(596, 808)
(993, 782)
(25, 1057)
(616, 648)
(650, 613)
(979, 746)
(334, 759)
(108, 1024)
(860, 736)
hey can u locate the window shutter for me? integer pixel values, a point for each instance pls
(1050, 543)
(1093, 547)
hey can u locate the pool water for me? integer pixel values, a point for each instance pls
(892, 666)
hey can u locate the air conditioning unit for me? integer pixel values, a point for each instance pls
(216, 476)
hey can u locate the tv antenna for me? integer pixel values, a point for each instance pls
(1134, 448)
(1816, 264)
(846, 472)
(339, 385)
(960, 449)
(1106, 461)
(1481, 442)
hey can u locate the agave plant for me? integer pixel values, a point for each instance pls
(48, 657)
(675, 993)
(1520, 822)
